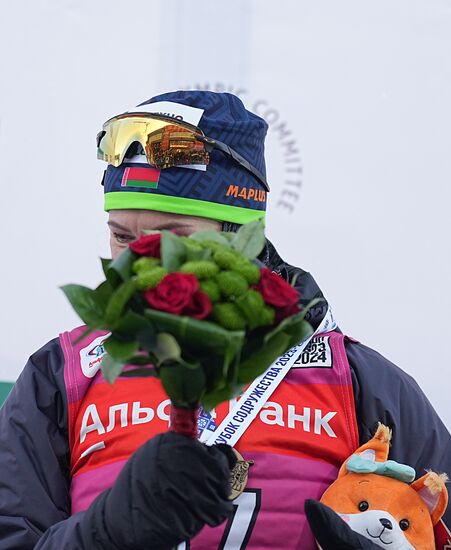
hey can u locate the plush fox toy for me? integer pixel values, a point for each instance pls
(376, 501)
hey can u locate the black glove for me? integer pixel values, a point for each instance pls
(169, 489)
(331, 532)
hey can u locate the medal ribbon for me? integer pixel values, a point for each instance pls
(257, 394)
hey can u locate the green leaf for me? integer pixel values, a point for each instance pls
(213, 366)
(292, 320)
(122, 265)
(295, 326)
(111, 275)
(132, 323)
(104, 292)
(147, 338)
(173, 251)
(184, 386)
(232, 365)
(87, 304)
(207, 235)
(294, 278)
(166, 348)
(250, 239)
(120, 350)
(298, 332)
(106, 262)
(136, 327)
(190, 364)
(256, 364)
(228, 235)
(214, 347)
(213, 398)
(283, 325)
(111, 368)
(118, 301)
(198, 336)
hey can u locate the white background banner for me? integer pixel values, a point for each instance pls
(357, 96)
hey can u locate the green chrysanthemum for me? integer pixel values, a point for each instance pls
(267, 316)
(248, 270)
(213, 245)
(202, 269)
(226, 258)
(231, 284)
(191, 243)
(150, 278)
(229, 316)
(251, 305)
(144, 264)
(211, 288)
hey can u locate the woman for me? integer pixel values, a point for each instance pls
(85, 465)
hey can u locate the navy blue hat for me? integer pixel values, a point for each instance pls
(225, 191)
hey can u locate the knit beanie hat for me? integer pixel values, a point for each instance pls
(224, 191)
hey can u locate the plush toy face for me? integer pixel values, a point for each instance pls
(381, 527)
(387, 511)
(375, 498)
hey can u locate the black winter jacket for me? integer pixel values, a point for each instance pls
(34, 452)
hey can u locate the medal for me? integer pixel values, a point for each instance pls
(239, 475)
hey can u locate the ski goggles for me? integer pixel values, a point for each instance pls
(166, 143)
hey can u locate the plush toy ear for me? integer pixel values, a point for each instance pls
(376, 449)
(432, 489)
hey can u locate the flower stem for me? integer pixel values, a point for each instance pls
(184, 420)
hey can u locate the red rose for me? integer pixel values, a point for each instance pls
(199, 306)
(287, 312)
(173, 293)
(275, 291)
(147, 245)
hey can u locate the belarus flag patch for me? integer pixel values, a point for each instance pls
(141, 177)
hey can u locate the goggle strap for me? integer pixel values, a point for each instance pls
(241, 160)
(227, 150)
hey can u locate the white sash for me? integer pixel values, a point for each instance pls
(258, 393)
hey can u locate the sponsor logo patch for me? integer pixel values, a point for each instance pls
(177, 111)
(247, 193)
(316, 355)
(91, 356)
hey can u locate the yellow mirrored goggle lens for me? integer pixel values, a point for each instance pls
(164, 143)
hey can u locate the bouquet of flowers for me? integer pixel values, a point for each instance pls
(199, 312)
